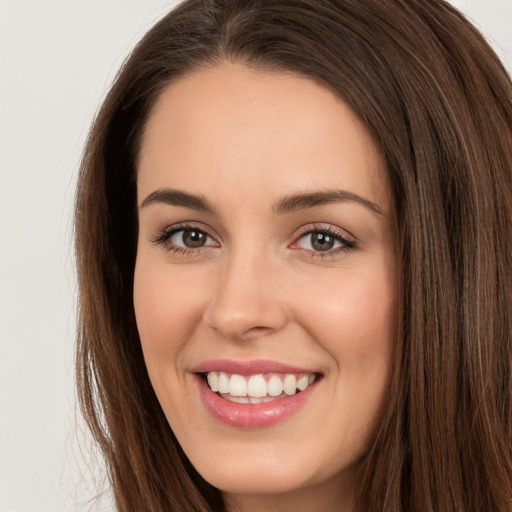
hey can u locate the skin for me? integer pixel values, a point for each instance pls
(258, 289)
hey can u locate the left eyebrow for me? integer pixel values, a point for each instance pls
(306, 200)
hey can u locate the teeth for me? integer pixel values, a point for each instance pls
(303, 382)
(274, 386)
(290, 384)
(260, 400)
(213, 381)
(239, 399)
(237, 386)
(223, 383)
(257, 388)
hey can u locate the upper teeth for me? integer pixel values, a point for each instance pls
(258, 386)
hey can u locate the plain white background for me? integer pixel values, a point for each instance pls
(57, 59)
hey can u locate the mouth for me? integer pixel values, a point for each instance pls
(254, 394)
(257, 388)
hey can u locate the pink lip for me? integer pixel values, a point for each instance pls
(252, 367)
(251, 415)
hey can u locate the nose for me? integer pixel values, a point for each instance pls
(248, 299)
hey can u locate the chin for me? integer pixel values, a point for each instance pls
(258, 477)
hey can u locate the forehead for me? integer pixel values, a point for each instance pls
(238, 129)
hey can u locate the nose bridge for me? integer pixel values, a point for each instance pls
(247, 298)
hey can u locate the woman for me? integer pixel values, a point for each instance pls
(294, 225)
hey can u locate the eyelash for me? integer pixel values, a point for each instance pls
(346, 243)
(167, 233)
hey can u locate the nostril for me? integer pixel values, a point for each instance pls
(260, 329)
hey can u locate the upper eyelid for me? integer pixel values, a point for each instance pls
(173, 232)
(328, 228)
(346, 242)
(184, 226)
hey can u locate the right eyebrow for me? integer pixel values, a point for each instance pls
(178, 198)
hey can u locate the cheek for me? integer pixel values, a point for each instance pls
(356, 323)
(360, 311)
(357, 326)
(167, 310)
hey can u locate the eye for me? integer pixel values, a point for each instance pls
(189, 238)
(184, 239)
(323, 240)
(318, 241)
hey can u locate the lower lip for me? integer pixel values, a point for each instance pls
(253, 415)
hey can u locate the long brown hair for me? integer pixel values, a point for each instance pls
(439, 102)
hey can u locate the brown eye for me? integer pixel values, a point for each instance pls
(187, 238)
(192, 238)
(322, 241)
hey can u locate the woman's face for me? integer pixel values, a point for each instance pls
(265, 265)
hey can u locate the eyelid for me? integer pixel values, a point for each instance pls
(328, 228)
(347, 240)
(164, 234)
(176, 232)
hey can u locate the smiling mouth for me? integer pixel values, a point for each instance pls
(257, 388)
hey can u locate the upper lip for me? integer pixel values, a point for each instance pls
(252, 367)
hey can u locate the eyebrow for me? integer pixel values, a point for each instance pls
(312, 199)
(287, 204)
(179, 198)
